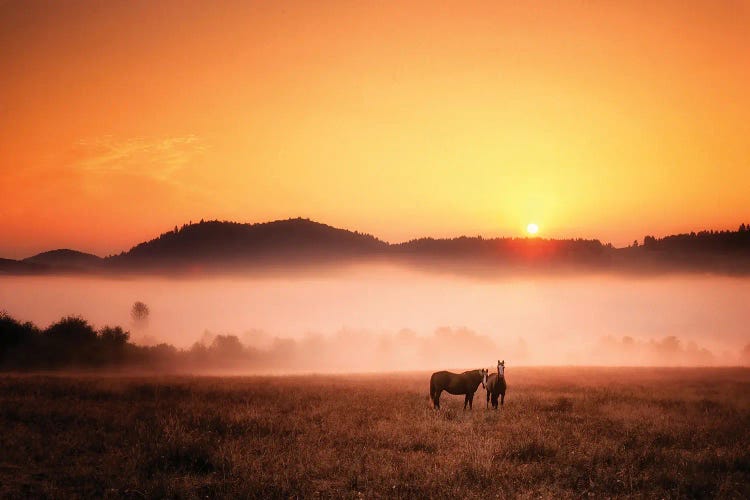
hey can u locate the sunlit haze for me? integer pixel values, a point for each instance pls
(385, 318)
(605, 120)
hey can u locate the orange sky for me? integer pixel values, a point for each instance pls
(600, 119)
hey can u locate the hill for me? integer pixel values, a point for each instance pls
(721, 252)
(217, 245)
(10, 266)
(66, 259)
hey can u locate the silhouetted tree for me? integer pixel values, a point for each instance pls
(226, 347)
(139, 312)
(72, 329)
(112, 346)
(114, 336)
(17, 341)
(71, 341)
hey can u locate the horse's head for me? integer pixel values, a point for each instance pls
(485, 373)
(500, 368)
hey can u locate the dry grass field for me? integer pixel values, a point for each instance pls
(564, 432)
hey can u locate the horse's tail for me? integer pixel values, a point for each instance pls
(431, 395)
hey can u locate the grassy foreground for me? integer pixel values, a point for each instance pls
(563, 432)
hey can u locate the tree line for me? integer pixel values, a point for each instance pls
(70, 342)
(73, 343)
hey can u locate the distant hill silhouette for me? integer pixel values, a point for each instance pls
(216, 244)
(10, 266)
(220, 246)
(724, 252)
(65, 259)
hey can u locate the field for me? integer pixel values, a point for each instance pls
(566, 432)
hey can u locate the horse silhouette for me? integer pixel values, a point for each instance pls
(496, 385)
(456, 383)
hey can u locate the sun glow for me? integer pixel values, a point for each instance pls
(532, 229)
(487, 112)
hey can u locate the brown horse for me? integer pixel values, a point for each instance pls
(456, 383)
(496, 385)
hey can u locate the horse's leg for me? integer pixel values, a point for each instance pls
(471, 401)
(488, 400)
(502, 399)
(437, 399)
(466, 401)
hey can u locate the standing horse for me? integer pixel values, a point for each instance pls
(457, 383)
(496, 385)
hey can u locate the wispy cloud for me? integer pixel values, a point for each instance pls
(161, 159)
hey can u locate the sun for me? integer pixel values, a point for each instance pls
(532, 228)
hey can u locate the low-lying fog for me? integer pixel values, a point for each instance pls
(381, 318)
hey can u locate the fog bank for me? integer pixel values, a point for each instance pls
(381, 318)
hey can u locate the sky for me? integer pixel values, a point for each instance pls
(596, 119)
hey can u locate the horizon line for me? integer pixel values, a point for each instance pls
(390, 243)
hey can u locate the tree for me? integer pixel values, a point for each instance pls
(226, 347)
(72, 330)
(16, 339)
(114, 336)
(139, 312)
(70, 341)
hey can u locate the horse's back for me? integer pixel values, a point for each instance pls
(453, 383)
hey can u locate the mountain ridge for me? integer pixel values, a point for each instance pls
(221, 246)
